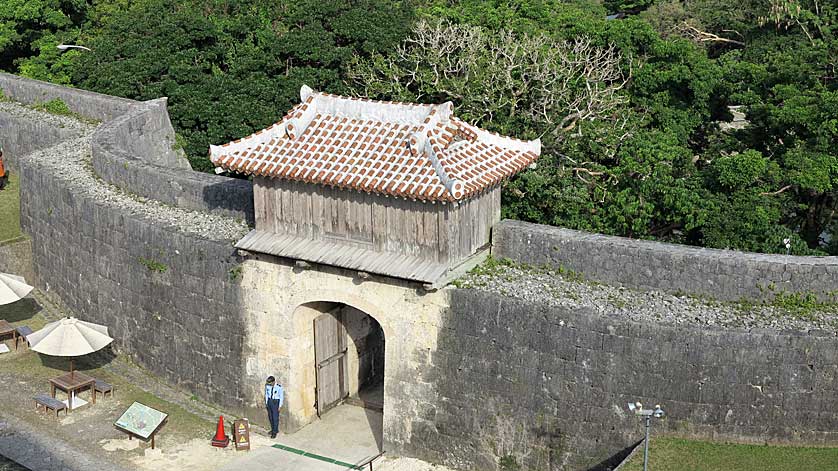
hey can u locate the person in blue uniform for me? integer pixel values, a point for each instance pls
(273, 401)
(4, 176)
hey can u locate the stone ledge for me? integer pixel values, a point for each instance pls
(720, 274)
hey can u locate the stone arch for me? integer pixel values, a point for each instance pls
(342, 297)
(303, 309)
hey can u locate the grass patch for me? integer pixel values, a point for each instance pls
(10, 209)
(58, 107)
(804, 305)
(500, 268)
(55, 106)
(153, 265)
(675, 454)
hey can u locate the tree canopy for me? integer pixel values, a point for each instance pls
(634, 100)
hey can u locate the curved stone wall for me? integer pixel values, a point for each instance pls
(135, 150)
(166, 294)
(720, 274)
(124, 148)
(549, 384)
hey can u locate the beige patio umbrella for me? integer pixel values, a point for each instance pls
(12, 288)
(69, 337)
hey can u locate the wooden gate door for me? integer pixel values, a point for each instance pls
(330, 360)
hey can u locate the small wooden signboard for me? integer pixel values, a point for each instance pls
(241, 434)
(141, 421)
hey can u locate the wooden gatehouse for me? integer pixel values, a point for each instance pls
(397, 189)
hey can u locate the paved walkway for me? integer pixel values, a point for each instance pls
(346, 436)
(30, 447)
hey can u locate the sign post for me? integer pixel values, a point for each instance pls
(241, 434)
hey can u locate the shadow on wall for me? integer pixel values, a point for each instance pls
(228, 195)
(615, 461)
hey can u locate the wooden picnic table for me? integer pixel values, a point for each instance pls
(8, 329)
(71, 383)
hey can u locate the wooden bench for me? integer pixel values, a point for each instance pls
(102, 387)
(50, 403)
(23, 331)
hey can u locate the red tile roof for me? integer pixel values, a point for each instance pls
(398, 149)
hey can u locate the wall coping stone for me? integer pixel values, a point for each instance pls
(645, 264)
(134, 149)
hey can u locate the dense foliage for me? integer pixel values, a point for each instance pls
(634, 112)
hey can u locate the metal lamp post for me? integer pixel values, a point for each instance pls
(647, 415)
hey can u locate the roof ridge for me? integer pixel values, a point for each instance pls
(424, 141)
(397, 149)
(500, 140)
(365, 108)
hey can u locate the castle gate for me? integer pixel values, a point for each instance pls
(396, 198)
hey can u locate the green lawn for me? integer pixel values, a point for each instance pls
(26, 366)
(674, 454)
(10, 210)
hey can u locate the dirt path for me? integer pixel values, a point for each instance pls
(182, 443)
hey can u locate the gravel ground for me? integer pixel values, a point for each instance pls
(550, 286)
(71, 161)
(66, 122)
(407, 464)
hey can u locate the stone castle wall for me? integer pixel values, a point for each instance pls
(134, 148)
(136, 152)
(469, 376)
(17, 132)
(550, 384)
(719, 274)
(166, 295)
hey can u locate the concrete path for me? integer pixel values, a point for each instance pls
(347, 434)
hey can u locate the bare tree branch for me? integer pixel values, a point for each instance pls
(553, 83)
(705, 36)
(772, 193)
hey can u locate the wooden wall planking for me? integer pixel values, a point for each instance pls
(438, 232)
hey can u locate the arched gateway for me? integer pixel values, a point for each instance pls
(345, 350)
(364, 209)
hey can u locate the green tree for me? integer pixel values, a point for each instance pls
(232, 67)
(30, 28)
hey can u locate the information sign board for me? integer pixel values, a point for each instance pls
(141, 420)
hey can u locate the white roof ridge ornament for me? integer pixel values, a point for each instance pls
(453, 185)
(305, 92)
(296, 125)
(511, 143)
(439, 114)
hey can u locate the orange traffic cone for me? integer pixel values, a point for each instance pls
(221, 440)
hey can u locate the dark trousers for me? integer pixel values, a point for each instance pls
(273, 415)
(3, 181)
